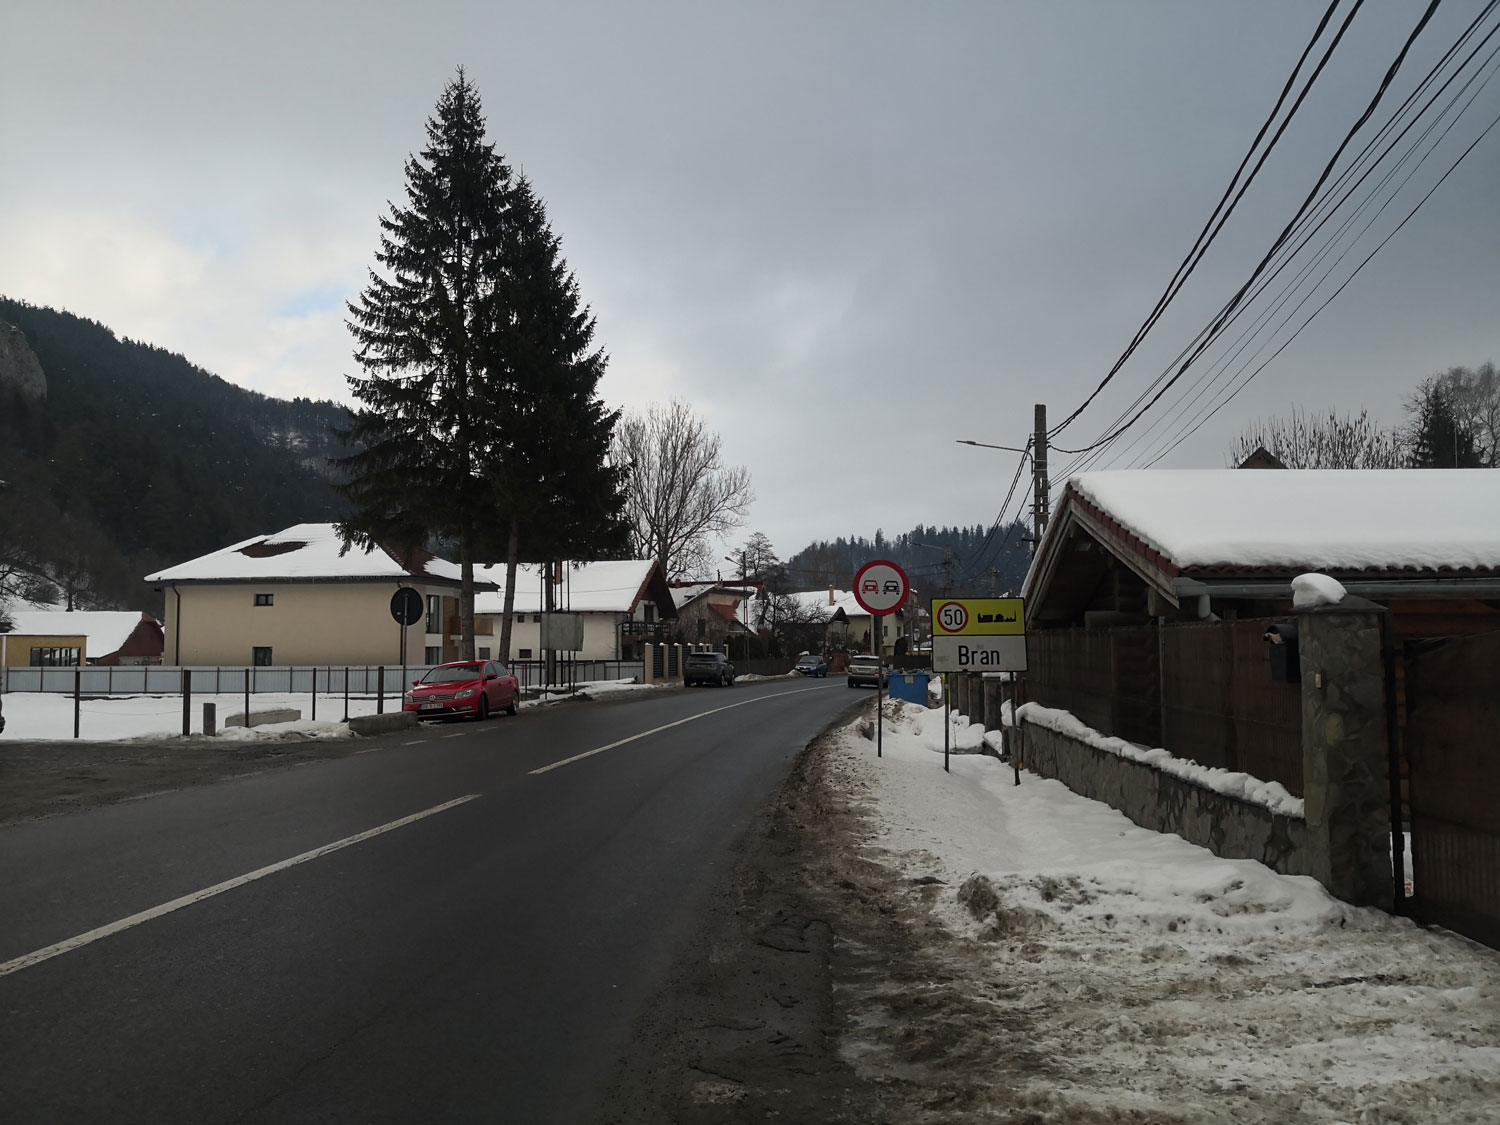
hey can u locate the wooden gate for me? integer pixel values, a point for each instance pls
(1452, 742)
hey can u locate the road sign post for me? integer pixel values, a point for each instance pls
(406, 608)
(980, 635)
(881, 588)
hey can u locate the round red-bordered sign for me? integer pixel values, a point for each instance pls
(952, 617)
(881, 587)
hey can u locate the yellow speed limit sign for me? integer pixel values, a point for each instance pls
(978, 617)
(978, 635)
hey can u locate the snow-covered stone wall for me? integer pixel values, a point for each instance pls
(1227, 825)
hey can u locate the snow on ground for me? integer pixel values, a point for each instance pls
(44, 716)
(1125, 974)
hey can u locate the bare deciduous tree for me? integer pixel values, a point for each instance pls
(1323, 442)
(679, 494)
(1473, 397)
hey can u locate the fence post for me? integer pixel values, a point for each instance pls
(315, 694)
(77, 696)
(380, 690)
(346, 693)
(1344, 751)
(247, 697)
(187, 702)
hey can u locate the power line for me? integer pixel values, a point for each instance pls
(1289, 256)
(1211, 231)
(1207, 379)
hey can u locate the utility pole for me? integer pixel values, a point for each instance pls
(948, 569)
(994, 579)
(1039, 477)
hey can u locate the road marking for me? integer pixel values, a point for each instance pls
(414, 742)
(456, 734)
(668, 726)
(72, 943)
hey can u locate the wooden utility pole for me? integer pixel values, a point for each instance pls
(1039, 487)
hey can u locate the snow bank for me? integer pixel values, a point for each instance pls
(1124, 975)
(1269, 794)
(1309, 590)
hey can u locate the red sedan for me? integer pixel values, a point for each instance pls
(471, 687)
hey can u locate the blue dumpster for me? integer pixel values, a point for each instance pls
(911, 686)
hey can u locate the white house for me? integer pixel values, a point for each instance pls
(622, 602)
(849, 624)
(297, 597)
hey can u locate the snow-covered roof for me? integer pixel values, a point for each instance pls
(1305, 519)
(105, 630)
(592, 587)
(308, 551)
(686, 592)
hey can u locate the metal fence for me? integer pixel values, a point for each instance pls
(533, 673)
(157, 679)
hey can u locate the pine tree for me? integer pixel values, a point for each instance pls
(1440, 441)
(556, 496)
(420, 328)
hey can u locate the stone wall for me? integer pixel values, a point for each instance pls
(1226, 826)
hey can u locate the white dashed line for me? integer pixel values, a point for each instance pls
(72, 943)
(668, 726)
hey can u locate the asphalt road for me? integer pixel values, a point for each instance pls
(484, 961)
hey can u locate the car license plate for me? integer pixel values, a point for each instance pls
(432, 707)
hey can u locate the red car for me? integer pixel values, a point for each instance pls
(471, 687)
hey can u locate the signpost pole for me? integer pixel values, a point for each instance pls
(880, 588)
(947, 720)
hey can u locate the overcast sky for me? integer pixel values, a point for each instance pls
(848, 234)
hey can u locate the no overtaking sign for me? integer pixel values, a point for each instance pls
(881, 587)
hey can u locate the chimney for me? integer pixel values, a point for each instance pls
(830, 595)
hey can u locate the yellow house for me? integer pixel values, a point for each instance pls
(42, 650)
(297, 598)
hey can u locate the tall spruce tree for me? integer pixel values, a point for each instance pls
(421, 327)
(554, 490)
(1439, 439)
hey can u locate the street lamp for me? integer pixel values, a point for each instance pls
(986, 445)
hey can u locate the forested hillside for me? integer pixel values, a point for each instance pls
(134, 458)
(980, 560)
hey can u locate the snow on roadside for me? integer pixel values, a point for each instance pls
(1129, 975)
(48, 716)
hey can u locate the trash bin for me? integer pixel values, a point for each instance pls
(911, 686)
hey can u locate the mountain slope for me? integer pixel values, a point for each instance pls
(135, 458)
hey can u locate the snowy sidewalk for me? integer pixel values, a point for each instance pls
(1152, 980)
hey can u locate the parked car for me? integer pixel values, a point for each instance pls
(866, 670)
(469, 687)
(707, 668)
(811, 665)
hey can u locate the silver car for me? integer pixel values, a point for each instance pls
(866, 670)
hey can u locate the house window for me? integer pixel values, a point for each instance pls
(265, 599)
(702, 627)
(525, 654)
(484, 654)
(262, 656)
(434, 614)
(54, 657)
(650, 613)
(434, 654)
(520, 619)
(536, 618)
